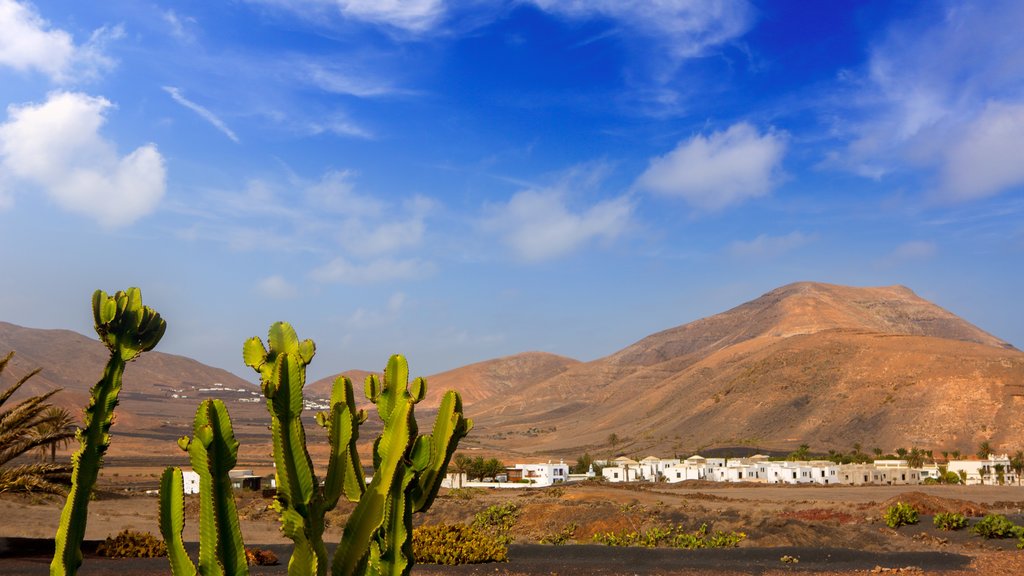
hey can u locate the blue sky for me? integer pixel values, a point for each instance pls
(459, 181)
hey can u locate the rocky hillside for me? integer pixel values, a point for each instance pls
(806, 363)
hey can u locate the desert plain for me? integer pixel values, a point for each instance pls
(789, 529)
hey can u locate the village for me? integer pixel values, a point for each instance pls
(760, 469)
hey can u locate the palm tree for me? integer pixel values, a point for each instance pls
(19, 435)
(55, 419)
(1017, 463)
(984, 449)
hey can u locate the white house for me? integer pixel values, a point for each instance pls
(686, 470)
(191, 481)
(539, 474)
(985, 471)
(622, 469)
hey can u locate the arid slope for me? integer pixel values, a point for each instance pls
(806, 363)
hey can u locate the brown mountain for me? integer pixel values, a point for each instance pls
(811, 363)
(159, 396)
(475, 382)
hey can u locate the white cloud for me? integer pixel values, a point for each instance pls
(179, 25)
(408, 15)
(538, 225)
(277, 287)
(336, 79)
(341, 271)
(369, 237)
(765, 246)
(986, 160)
(339, 126)
(203, 112)
(57, 147)
(364, 318)
(412, 15)
(938, 94)
(914, 250)
(719, 170)
(27, 42)
(335, 192)
(688, 27)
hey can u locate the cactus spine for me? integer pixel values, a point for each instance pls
(128, 329)
(301, 502)
(213, 452)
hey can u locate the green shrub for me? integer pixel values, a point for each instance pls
(672, 537)
(452, 544)
(997, 526)
(563, 536)
(900, 514)
(497, 521)
(465, 493)
(132, 544)
(949, 521)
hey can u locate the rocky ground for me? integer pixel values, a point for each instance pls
(810, 530)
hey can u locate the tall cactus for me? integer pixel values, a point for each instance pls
(301, 501)
(408, 470)
(128, 329)
(213, 452)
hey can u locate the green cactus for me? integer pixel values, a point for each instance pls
(128, 329)
(213, 452)
(408, 470)
(301, 502)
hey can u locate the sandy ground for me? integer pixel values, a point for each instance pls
(831, 530)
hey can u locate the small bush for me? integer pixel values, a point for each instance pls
(950, 521)
(132, 544)
(672, 537)
(465, 493)
(452, 544)
(497, 521)
(900, 514)
(997, 526)
(563, 536)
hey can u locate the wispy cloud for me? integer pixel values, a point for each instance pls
(538, 223)
(766, 246)
(341, 271)
(716, 171)
(203, 112)
(57, 147)
(28, 42)
(687, 28)
(940, 94)
(277, 287)
(179, 26)
(912, 251)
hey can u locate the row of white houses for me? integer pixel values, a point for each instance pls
(759, 469)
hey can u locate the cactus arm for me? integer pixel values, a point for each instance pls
(394, 542)
(296, 489)
(172, 521)
(344, 470)
(128, 329)
(368, 514)
(449, 428)
(300, 503)
(213, 451)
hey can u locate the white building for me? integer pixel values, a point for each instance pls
(539, 474)
(622, 469)
(191, 481)
(987, 471)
